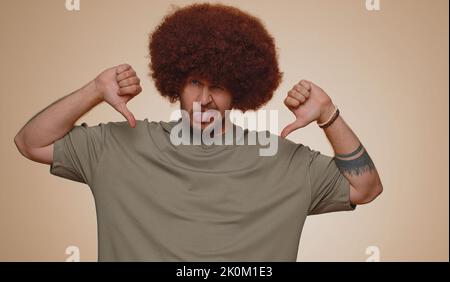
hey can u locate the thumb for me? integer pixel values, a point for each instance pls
(290, 127)
(122, 108)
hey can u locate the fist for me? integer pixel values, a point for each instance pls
(117, 86)
(308, 102)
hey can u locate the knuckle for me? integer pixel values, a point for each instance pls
(306, 84)
(290, 102)
(122, 68)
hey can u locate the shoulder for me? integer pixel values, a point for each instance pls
(298, 151)
(122, 129)
(143, 127)
(284, 147)
(120, 126)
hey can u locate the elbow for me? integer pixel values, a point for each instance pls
(367, 195)
(374, 193)
(378, 190)
(18, 141)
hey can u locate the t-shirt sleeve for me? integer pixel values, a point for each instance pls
(76, 154)
(330, 190)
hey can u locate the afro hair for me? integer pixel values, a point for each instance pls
(219, 43)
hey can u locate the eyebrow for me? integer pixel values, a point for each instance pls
(200, 80)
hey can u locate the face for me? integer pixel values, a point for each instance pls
(209, 97)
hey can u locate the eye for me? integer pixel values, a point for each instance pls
(195, 82)
(216, 87)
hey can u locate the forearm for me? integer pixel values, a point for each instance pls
(58, 118)
(351, 157)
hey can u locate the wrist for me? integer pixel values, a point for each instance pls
(326, 111)
(94, 91)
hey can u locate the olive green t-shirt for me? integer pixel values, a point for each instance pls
(156, 201)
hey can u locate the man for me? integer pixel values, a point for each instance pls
(159, 201)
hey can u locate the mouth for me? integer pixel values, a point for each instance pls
(204, 116)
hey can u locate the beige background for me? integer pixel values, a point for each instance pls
(387, 70)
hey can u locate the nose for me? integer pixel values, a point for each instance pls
(205, 96)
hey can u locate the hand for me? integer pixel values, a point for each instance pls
(117, 86)
(309, 103)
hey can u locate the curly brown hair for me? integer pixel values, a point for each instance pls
(219, 43)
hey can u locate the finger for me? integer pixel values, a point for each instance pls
(302, 90)
(129, 81)
(291, 103)
(122, 108)
(122, 68)
(126, 74)
(130, 90)
(289, 128)
(307, 84)
(296, 95)
(298, 123)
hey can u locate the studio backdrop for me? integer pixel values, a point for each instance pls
(386, 66)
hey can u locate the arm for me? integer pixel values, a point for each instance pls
(116, 85)
(310, 103)
(352, 159)
(35, 139)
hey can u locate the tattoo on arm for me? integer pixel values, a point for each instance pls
(354, 153)
(355, 166)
